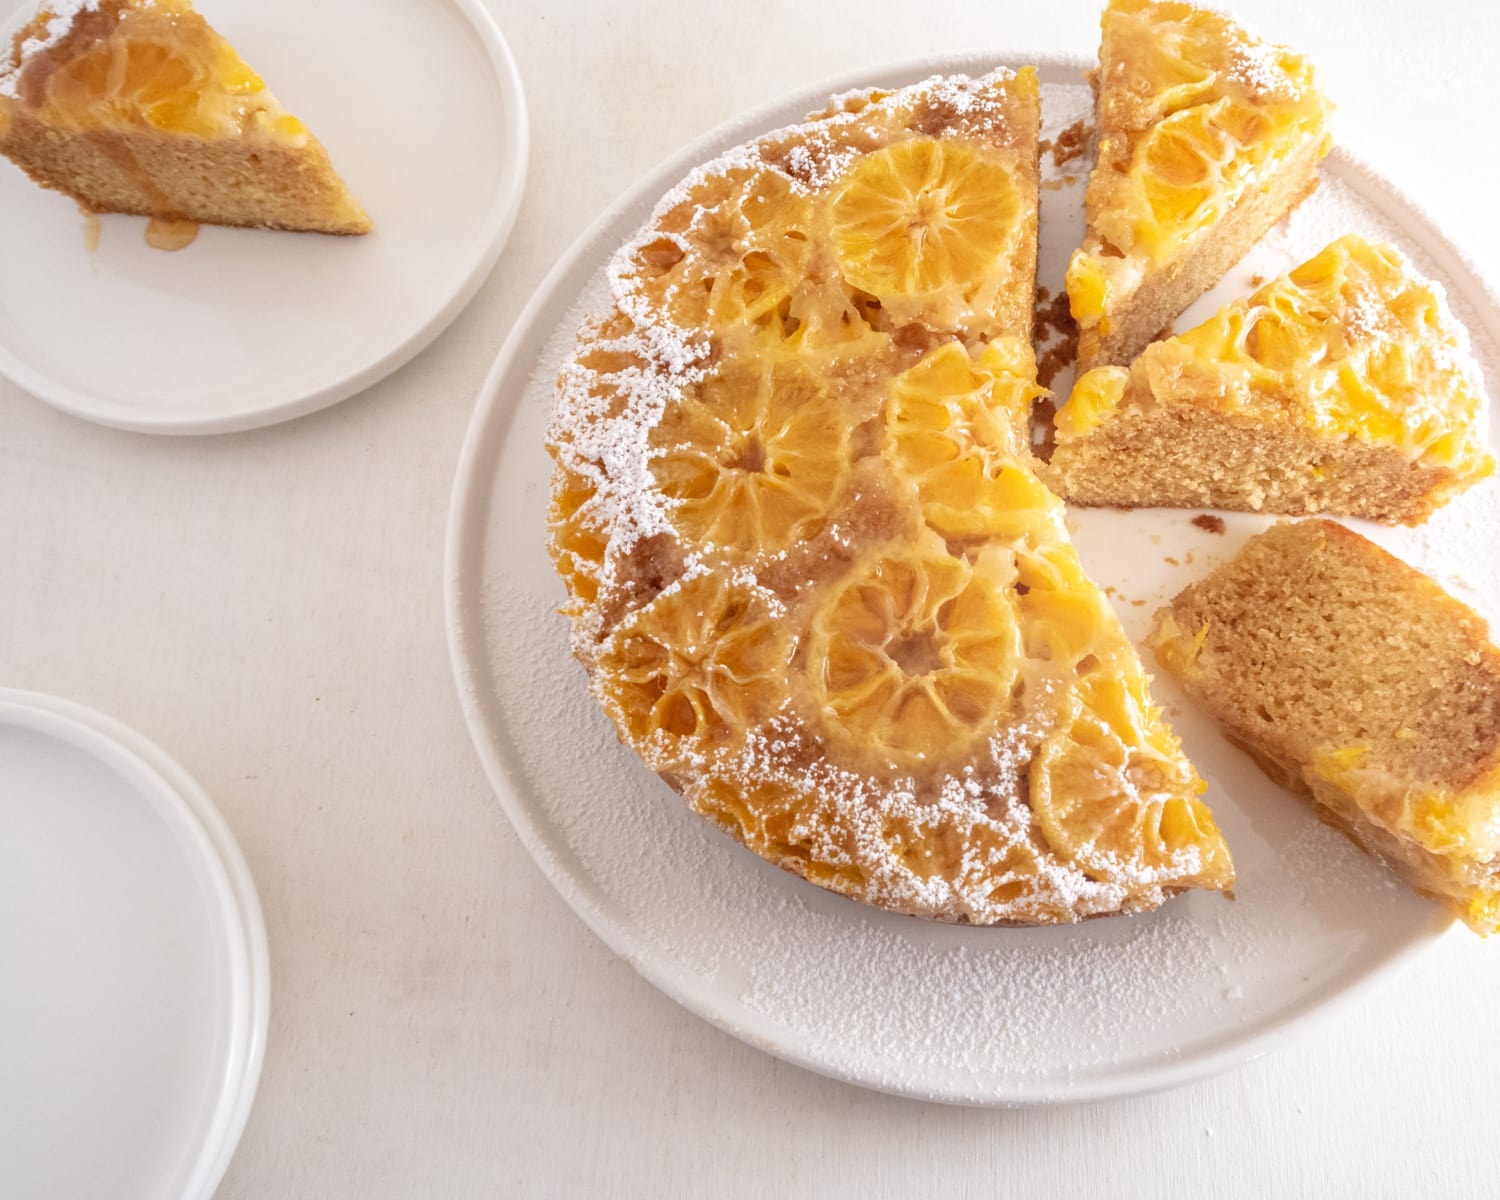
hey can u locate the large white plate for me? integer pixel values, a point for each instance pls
(983, 1016)
(136, 989)
(420, 106)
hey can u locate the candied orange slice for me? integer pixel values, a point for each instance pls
(1180, 162)
(957, 427)
(914, 657)
(171, 76)
(922, 215)
(1110, 787)
(689, 672)
(753, 457)
(579, 544)
(734, 265)
(1068, 620)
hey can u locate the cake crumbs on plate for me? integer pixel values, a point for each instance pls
(1070, 143)
(1057, 332)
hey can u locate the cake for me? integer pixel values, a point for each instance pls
(138, 106)
(1345, 386)
(1206, 138)
(1357, 681)
(812, 575)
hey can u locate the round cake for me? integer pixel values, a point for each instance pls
(812, 574)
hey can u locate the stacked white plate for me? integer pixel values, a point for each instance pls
(135, 987)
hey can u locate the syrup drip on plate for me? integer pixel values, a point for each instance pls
(166, 234)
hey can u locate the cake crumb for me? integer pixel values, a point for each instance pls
(1057, 331)
(1137, 604)
(1257, 280)
(1071, 143)
(1044, 428)
(1209, 523)
(1171, 562)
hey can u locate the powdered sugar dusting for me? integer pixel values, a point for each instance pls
(1362, 317)
(605, 415)
(1254, 66)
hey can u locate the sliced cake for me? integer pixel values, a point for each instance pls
(138, 106)
(1345, 386)
(1356, 680)
(1207, 137)
(813, 576)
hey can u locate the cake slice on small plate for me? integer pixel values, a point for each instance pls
(1356, 680)
(1345, 386)
(138, 106)
(1207, 138)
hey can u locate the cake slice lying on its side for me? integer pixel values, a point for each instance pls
(1207, 138)
(1358, 681)
(138, 106)
(1343, 387)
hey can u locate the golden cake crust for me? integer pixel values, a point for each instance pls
(812, 575)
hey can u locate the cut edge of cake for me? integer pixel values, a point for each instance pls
(1355, 680)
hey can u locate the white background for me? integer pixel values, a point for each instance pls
(267, 606)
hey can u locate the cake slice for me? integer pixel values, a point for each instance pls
(1345, 386)
(138, 106)
(1354, 679)
(1207, 138)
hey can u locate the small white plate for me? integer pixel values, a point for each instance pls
(420, 105)
(977, 1016)
(136, 988)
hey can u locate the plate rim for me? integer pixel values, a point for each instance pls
(189, 809)
(493, 237)
(493, 410)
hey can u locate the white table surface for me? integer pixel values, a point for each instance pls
(267, 606)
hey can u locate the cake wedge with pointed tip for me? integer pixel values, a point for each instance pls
(1207, 137)
(1345, 386)
(139, 106)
